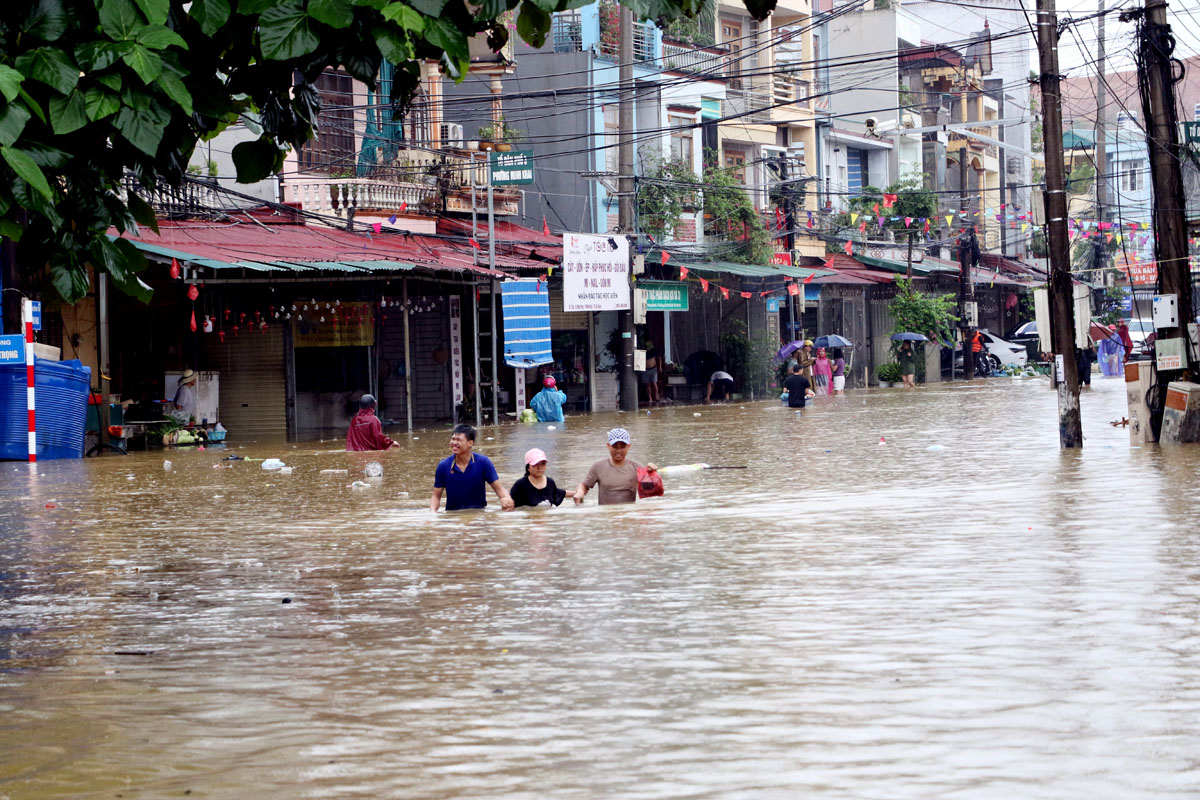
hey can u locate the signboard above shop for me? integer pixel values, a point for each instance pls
(513, 168)
(324, 323)
(595, 272)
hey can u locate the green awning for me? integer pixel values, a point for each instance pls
(754, 270)
(901, 267)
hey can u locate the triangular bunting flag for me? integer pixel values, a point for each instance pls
(949, 220)
(908, 222)
(545, 227)
(724, 292)
(474, 244)
(746, 294)
(849, 248)
(811, 275)
(704, 284)
(683, 273)
(853, 217)
(377, 226)
(665, 256)
(889, 200)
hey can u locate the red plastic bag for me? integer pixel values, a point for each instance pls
(649, 483)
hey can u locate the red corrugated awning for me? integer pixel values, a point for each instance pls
(241, 242)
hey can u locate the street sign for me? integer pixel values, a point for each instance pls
(772, 305)
(12, 349)
(37, 314)
(511, 169)
(665, 295)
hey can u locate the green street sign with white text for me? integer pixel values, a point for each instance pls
(513, 168)
(665, 295)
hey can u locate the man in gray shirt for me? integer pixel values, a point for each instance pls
(616, 475)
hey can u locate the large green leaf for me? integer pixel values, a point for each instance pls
(100, 55)
(27, 170)
(68, 114)
(12, 122)
(394, 46)
(442, 34)
(121, 259)
(142, 212)
(405, 16)
(99, 103)
(252, 7)
(147, 65)
(71, 282)
(119, 19)
(155, 10)
(532, 24)
(210, 14)
(10, 82)
(334, 13)
(143, 129)
(11, 229)
(490, 9)
(173, 87)
(284, 32)
(46, 20)
(160, 37)
(50, 66)
(430, 8)
(256, 160)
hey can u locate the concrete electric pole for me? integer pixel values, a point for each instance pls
(1157, 83)
(625, 202)
(1101, 141)
(1062, 297)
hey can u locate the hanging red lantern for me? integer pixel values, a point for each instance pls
(174, 269)
(193, 324)
(193, 293)
(242, 317)
(227, 315)
(235, 330)
(262, 326)
(221, 334)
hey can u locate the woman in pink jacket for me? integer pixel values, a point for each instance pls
(822, 372)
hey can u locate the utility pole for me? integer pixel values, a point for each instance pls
(968, 257)
(1101, 141)
(1156, 79)
(625, 184)
(966, 286)
(1062, 297)
(789, 217)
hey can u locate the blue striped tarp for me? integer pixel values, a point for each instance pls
(526, 323)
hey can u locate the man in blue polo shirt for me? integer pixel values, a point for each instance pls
(465, 476)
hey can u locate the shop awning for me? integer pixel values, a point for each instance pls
(242, 243)
(748, 270)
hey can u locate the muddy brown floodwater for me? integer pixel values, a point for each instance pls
(841, 619)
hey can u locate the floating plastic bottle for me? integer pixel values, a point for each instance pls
(167, 465)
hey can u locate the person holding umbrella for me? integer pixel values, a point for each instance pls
(908, 357)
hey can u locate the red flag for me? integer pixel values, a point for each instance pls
(908, 222)
(810, 277)
(403, 206)
(474, 244)
(763, 294)
(745, 294)
(724, 291)
(665, 256)
(876, 207)
(545, 227)
(683, 273)
(889, 200)
(849, 248)
(862, 227)
(704, 284)
(793, 289)
(377, 226)
(810, 219)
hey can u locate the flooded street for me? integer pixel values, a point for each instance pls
(842, 619)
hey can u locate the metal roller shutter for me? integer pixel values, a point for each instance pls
(563, 321)
(252, 382)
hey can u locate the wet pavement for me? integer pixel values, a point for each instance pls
(842, 619)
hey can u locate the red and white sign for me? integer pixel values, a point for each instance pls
(1143, 274)
(781, 260)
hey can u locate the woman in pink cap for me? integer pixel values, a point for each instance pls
(535, 488)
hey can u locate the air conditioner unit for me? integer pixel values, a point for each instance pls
(452, 135)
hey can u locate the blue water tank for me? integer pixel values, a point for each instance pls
(61, 395)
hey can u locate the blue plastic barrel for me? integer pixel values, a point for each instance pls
(61, 394)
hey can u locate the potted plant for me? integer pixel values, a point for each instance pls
(888, 374)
